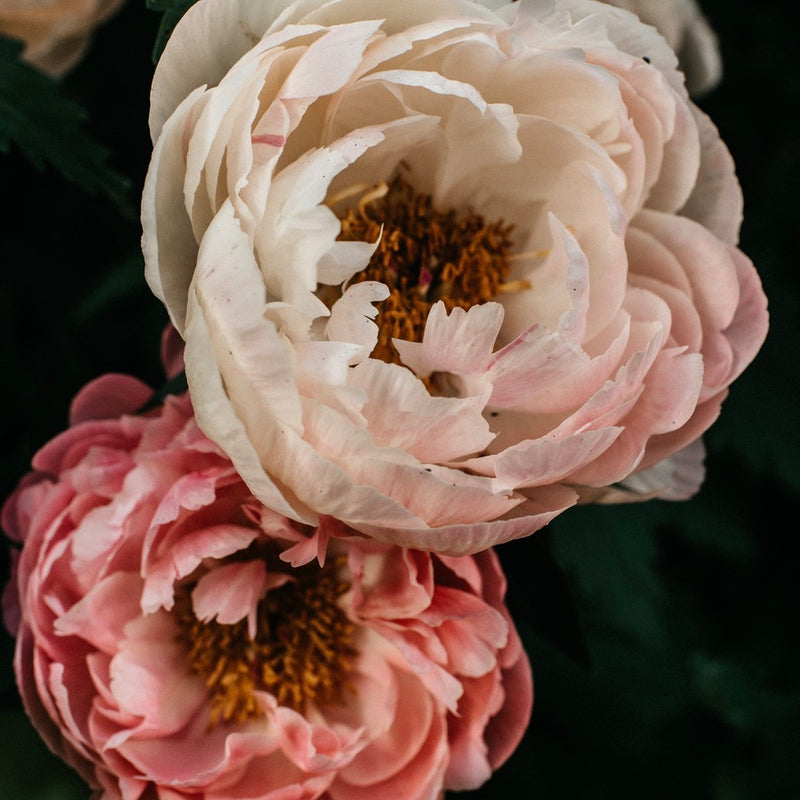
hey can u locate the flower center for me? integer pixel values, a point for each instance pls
(424, 256)
(301, 654)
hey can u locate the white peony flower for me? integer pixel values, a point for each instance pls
(445, 268)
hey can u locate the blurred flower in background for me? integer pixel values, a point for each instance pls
(688, 32)
(56, 33)
(176, 638)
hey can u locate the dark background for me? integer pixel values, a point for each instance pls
(663, 637)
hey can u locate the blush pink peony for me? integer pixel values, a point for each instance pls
(178, 639)
(445, 268)
(56, 33)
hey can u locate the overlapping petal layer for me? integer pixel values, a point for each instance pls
(161, 613)
(623, 313)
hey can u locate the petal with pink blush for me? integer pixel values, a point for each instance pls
(748, 328)
(662, 406)
(231, 592)
(107, 397)
(101, 615)
(113, 686)
(150, 679)
(459, 341)
(163, 569)
(542, 461)
(431, 429)
(533, 514)
(715, 287)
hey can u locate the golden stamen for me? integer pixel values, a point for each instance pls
(301, 654)
(529, 254)
(423, 256)
(520, 285)
(381, 190)
(348, 191)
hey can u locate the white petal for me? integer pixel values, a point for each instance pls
(168, 242)
(460, 342)
(401, 413)
(352, 317)
(678, 477)
(545, 461)
(209, 40)
(343, 260)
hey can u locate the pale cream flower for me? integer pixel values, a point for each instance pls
(445, 268)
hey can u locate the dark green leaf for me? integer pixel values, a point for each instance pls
(29, 770)
(767, 724)
(610, 553)
(125, 279)
(175, 385)
(7, 683)
(716, 519)
(47, 127)
(540, 595)
(740, 694)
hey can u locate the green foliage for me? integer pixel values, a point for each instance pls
(28, 769)
(123, 280)
(610, 554)
(766, 723)
(47, 127)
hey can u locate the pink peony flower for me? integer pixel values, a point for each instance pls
(56, 33)
(445, 268)
(178, 639)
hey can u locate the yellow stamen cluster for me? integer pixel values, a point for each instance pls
(302, 652)
(423, 256)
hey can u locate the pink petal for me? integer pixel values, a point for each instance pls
(459, 342)
(231, 592)
(108, 397)
(100, 616)
(433, 430)
(389, 754)
(163, 569)
(149, 679)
